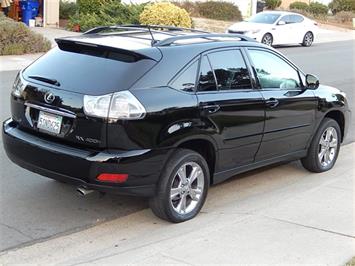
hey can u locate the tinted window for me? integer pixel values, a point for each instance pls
(296, 18)
(273, 72)
(230, 70)
(207, 81)
(287, 19)
(187, 79)
(89, 74)
(265, 18)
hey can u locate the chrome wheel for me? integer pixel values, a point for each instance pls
(267, 39)
(187, 188)
(328, 146)
(308, 39)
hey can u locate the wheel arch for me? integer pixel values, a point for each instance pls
(339, 117)
(206, 148)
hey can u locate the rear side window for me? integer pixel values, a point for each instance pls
(207, 80)
(296, 18)
(187, 79)
(230, 70)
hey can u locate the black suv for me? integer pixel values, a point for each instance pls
(164, 112)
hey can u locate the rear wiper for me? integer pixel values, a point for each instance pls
(46, 80)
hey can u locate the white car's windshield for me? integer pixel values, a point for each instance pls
(265, 18)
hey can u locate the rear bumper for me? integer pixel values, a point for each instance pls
(81, 166)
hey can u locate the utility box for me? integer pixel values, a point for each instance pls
(51, 13)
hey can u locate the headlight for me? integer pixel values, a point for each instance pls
(253, 31)
(18, 86)
(120, 105)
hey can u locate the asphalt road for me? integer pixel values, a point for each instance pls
(33, 208)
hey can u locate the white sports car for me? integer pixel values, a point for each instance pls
(277, 27)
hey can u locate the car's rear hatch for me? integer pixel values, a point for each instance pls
(51, 103)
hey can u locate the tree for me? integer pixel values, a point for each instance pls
(272, 4)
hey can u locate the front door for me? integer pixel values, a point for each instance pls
(231, 109)
(290, 109)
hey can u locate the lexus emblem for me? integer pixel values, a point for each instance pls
(49, 97)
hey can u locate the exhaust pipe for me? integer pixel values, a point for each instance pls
(83, 191)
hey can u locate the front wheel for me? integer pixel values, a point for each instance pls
(308, 39)
(267, 39)
(183, 187)
(324, 149)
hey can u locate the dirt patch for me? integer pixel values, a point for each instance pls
(211, 24)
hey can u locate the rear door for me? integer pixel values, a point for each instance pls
(290, 110)
(231, 109)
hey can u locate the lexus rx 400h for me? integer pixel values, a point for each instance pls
(166, 112)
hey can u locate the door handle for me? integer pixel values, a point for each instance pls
(272, 103)
(212, 108)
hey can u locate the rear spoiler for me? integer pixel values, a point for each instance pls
(99, 50)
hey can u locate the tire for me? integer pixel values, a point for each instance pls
(322, 143)
(169, 207)
(267, 39)
(308, 39)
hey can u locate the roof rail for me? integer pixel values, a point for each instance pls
(171, 40)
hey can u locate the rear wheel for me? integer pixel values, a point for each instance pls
(183, 187)
(308, 39)
(324, 149)
(267, 39)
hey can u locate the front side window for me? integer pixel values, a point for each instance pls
(274, 72)
(206, 81)
(187, 79)
(230, 70)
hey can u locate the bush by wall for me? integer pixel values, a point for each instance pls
(272, 4)
(17, 39)
(342, 5)
(219, 10)
(165, 13)
(90, 6)
(318, 9)
(111, 13)
(67, 9)
(299, 6)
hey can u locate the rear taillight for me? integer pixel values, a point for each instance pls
(120, 105)
(18, 86)
(113, 178)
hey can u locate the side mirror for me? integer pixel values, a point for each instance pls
(312, 82)
(281, 22)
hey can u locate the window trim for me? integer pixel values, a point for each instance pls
(299, 72)
(247, 64)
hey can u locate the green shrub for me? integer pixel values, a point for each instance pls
(90, 6)
(344, 16)
(342, 5)
(219, 10)
(272, 4)
(165, 13)
(299, 6)
(16, 38)
(318, 9)
(112, 13)
(67, 9)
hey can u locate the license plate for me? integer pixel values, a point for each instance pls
(49, 122)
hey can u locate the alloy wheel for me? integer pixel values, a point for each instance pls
(186, 188)
(308, 39)
(267, 39)
(328, 145)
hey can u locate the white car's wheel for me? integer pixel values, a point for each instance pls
(308, 39)
(267, 39)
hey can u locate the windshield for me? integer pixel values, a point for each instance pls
(265, 18)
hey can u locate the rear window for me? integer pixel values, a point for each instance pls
(88, 71)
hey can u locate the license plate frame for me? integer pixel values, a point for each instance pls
(49, 123)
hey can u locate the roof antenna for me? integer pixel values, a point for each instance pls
(151, 34)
